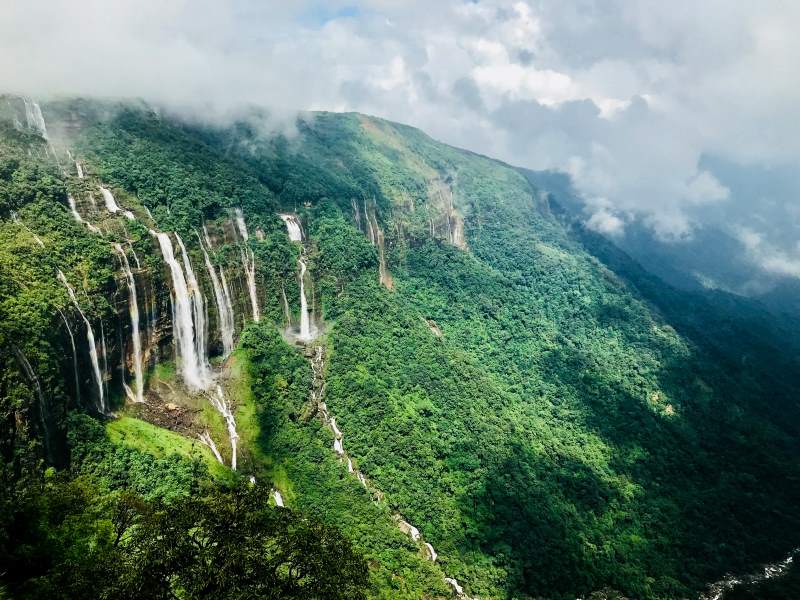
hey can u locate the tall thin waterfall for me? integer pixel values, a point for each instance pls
(226, 290)
(44, 409)
(98, 377)
(34, 117)
(295, 232)
(305, 320)
(219, 402)
(199, 311)
(79, 168)
(205, 437)
(133, 309)
(74, 356)
(249, 263)
(224, 310)
(194, 375)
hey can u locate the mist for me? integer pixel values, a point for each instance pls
(675, 117)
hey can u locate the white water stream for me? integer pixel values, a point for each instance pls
(193, 371)
(224, 308)
(136, 338)
(98, 377)
(112, 206)
(248, 263)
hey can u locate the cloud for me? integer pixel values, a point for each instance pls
(630, 98)
(771, 259)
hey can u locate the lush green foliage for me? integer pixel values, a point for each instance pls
(553, 419)
(317, 484)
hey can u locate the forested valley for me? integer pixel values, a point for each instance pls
(344, 360)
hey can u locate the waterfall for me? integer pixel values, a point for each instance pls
(79, 168)
(305, 320)
(338, 447)
(133, 310)
(240, 224)
(287, 314)
(205, 437)
(431, 552)
(73, 208)
(219, 402)
(227, 292)
(193, 372)
(296, 235)
(108, 198)
(248, 263)
(335, 429)
(34, 117)
(36, 238)
(278, 498)
(293, 227)
(111, 204)
(455, 585)
(224, 310)
(43, 407)
(350, 465)
(90, 339)
(74, 356)
(199, 311)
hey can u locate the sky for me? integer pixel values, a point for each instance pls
(676, 114)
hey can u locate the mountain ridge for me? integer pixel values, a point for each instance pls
(549, 390)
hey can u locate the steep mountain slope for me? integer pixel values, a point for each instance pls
(480, 392)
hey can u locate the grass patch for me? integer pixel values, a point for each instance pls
(161, 443)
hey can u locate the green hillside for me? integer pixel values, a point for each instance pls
(554, 420)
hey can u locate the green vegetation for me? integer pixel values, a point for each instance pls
(161, 443)
(314, 482)
(556, 421)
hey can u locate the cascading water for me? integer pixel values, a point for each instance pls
(44, 409)
(112, 206)
(199, 311)
(292, 227)
(34, 117)
(295, 232)
(219, 402)
(194, 374)
(98, 377)
(227, 292)
(305, 319)
(431, 552)
(73, 208)
(79, 168)
(133, 310)
(717, 590)
(224, 310)
(74, 356)
(317, 395)
(205, 437)
(278, 498)
(248, 263)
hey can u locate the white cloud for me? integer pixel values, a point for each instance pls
(704, 187)
(629, 97)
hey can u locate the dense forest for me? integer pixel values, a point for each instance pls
(554, 420)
